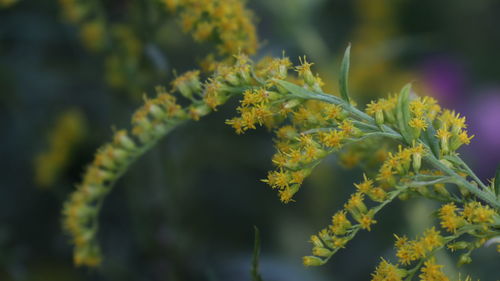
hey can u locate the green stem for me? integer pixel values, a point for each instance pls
(460, 181)
(469, 171)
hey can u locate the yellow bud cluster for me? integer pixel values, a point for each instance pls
(400, 163)
(422, 111)
(450, 219)
(377, 194)
(151, 120)
(412, 250)
(473, 213)
(451, 132)
(228, 22)
(383, 110)
(386, 271)
(255, 109)
(432, 272)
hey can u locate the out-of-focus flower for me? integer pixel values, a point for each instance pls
(485, 117)
(445, 79)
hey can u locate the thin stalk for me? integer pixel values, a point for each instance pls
(470, 172)
(460, 181)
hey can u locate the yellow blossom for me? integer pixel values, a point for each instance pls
(432, 272)
(388, 272)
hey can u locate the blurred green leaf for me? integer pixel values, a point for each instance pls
(256, 253)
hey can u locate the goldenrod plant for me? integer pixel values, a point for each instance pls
(412, 144)
(310, 125)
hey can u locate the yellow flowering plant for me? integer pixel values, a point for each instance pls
(419, 157)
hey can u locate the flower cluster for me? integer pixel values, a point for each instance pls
(380, 190)
(409, 251)
(227, 22)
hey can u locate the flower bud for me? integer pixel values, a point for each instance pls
(417, 162)
(316, 241)
(379, 117)
(464, 259)
(122, 139)
(461, 245)
(321, 252)
(312, 261)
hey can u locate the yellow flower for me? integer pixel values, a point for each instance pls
(432, 239)
(340, 223)
(464, 137)
(332, 138)
(278, 179)
(365, 186)
(304, 71)
(355, 203)
(418, 123)
(432, 272)
(449, 219)
(366, 221)
(388, 272)
(475, 212)
(373, 107)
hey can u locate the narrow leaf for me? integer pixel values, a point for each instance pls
(429, 137)
(344, 75)
(256, 253)
(497, 182)
(294, 89)
(403, 113)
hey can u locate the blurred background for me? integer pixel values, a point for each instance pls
(186, 210)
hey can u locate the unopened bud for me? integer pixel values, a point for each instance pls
(379, 117)
(312, 261)
(417, 162)
(321, 252)
(464, 259)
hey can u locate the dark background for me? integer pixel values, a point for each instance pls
(186, 210)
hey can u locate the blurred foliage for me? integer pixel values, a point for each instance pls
(186, 210)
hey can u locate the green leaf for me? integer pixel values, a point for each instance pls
(344, 75)
(256, 253)
(294, 89)
(497, 182)
(403, 113)
(429, 137)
